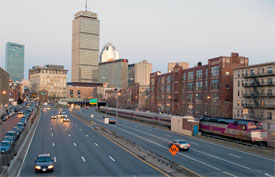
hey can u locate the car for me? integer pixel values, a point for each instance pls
(66, 119)
(64, 114)
(112, 121)
(181, 144)
(43, 163)
(5, 146)
(24, 121)
(53, 117)
(20, 112)
(12, 133)
(17, 130)
(5, 117)
(10, 139)
(20, 125)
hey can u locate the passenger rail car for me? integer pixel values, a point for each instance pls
(160, 119)
(245, 130)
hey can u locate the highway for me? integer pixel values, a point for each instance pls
(205, 158)
(78, 150)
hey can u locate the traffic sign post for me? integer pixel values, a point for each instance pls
(174, 149)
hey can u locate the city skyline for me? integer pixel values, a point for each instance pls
(198, 33)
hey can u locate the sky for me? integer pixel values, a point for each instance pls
(159, 31)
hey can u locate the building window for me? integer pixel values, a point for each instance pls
(269, 92)
(162, 80)
(71, 93)
(78, 93)
(252, 72)
(168, 79)
(199, 85)
(269, 70)
(206, 73)
(190, 97)
(246, 72)
(242, 73)
(199, 74)
(198, 96)
(163, 88)
(215, 71)
(238, 92)
(269, 116)
(168, 88)
(242, 83)
(238, 73)
(184, 76)
(238, 83)
(269, 81)
(238, 113)
(190, 86)
(227, 73)
(215, 84)
(205, 85)
(190, 75)
(183, 87)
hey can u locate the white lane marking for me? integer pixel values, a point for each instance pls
(53, 144)
(87, 135)
(74, 144)
(83, 159)
(194, 143)
(52, 134)
(198, 151)
(80, 129)
(229, 174)
(54, 159)
(268, 175)
(69, 135)
(96, 144)
(112, 158)
(168, 148)
(234, 155)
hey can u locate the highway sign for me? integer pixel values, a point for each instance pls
(174, 149)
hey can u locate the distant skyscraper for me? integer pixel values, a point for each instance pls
(15, 61)
(142, 73)
(108, 53)
(85, 47)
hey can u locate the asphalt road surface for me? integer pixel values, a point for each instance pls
(205, 158)
(78, 150)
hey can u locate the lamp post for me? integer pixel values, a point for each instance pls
(117, 103)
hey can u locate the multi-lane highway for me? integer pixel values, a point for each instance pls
(78, 150)
(205, 158)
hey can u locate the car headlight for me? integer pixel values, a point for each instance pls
(37, 167)
(50, 166)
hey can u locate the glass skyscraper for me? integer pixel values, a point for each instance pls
(15, 61)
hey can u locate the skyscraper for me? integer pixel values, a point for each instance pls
(108, 53)
(15, 61)
(85, 47)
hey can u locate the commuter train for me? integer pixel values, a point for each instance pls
(245, 130)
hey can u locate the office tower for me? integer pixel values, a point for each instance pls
(85, 47)
(142, 73)
(108, 53)
(115, 73)
(15, 61)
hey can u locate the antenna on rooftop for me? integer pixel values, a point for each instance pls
(86, 6)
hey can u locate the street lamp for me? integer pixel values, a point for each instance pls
(4, 92)
(118, 94)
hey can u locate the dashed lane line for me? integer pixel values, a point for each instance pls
(112, 158)
(83, 159)
(96, 144)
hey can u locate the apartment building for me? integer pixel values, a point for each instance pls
(254, 94)
(198, 91)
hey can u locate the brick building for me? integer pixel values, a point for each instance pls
(201, 90)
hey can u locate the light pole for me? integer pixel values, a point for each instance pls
(117, 103)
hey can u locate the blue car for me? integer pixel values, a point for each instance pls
(5, 146)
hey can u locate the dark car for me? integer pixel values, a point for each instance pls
(181, 144)
(12, 133)
(17, 130)
(10, 139)
(43, 163)
(5, 146)
(112, 121)
(5, 117)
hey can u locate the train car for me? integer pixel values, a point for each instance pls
(245, 130)
(160, 119)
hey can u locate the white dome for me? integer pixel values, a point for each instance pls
(108, 53)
